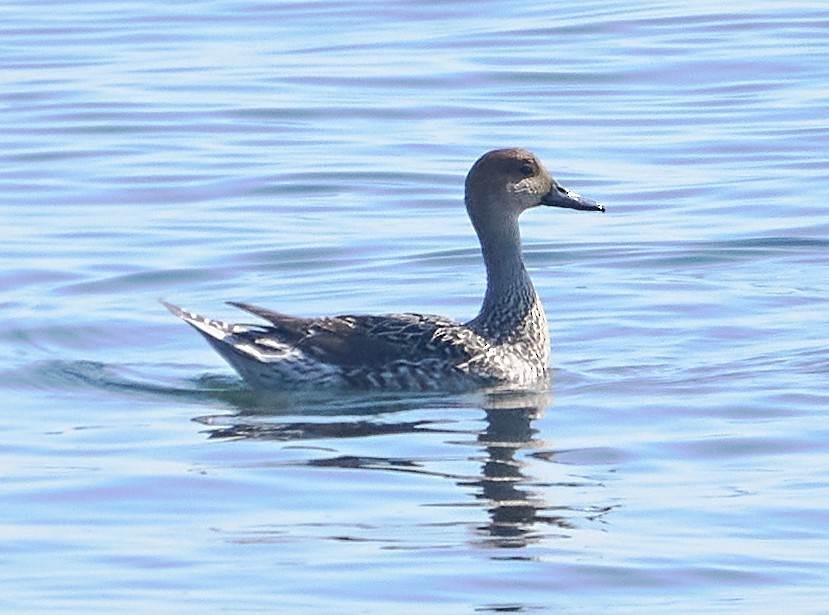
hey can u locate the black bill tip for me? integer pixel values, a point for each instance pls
(560, 196)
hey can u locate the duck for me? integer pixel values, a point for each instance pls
(506, 346)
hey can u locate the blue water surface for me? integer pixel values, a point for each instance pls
(310, 157)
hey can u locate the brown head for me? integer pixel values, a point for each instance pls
(505, 182)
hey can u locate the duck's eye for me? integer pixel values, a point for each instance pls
(527, 169)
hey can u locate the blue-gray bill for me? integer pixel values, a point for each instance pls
(560, 196)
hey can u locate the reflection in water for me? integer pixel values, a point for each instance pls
(519, 510)
(515, 509)
(516, 506)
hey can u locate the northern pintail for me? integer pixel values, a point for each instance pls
(507, 345)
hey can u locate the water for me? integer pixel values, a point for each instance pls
(310, 157)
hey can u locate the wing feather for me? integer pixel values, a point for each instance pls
(364, 340)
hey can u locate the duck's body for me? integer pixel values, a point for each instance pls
(391, 351)
(506, 345)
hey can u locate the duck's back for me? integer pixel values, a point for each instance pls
(392, 351)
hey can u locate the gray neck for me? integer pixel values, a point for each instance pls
(510, 295)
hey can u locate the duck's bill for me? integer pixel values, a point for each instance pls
(560, 196)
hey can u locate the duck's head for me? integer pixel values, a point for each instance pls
(505, 182)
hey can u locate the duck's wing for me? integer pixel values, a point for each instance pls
(362, 341)
(349, 342)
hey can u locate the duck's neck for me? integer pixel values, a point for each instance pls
(510, 299)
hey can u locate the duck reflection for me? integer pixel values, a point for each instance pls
(515, 508)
